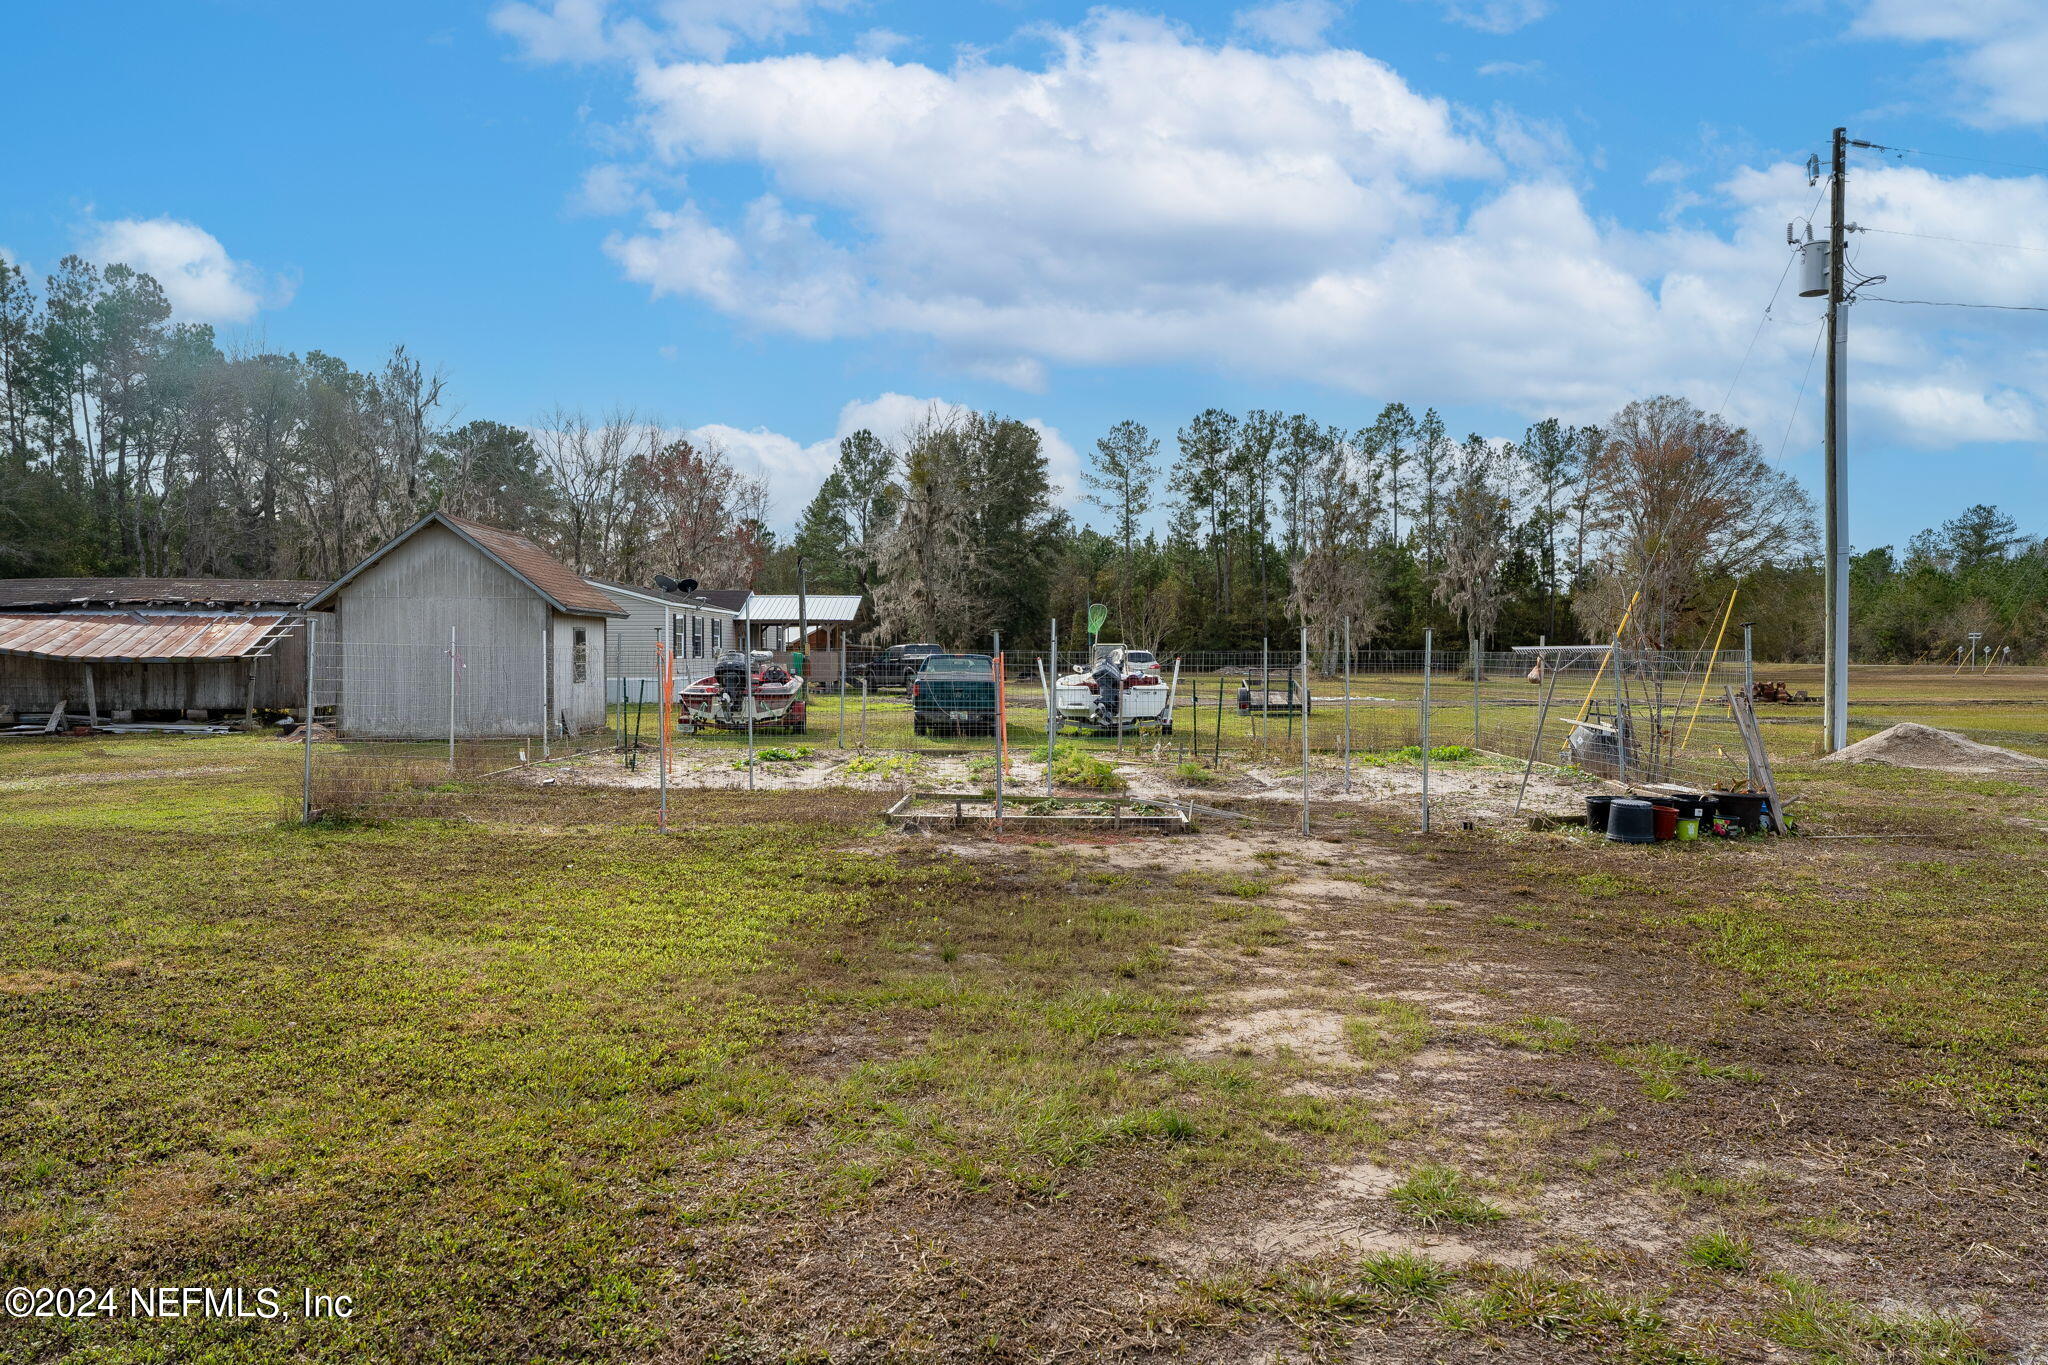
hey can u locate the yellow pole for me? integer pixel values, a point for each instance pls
(1601, 672)
(1711, 661)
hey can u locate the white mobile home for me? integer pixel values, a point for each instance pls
(455, 626)
(697, 627)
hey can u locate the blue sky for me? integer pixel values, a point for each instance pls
(775, 220)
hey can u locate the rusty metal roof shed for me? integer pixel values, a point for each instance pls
(140, 637)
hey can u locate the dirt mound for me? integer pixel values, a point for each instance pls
(1922, 746)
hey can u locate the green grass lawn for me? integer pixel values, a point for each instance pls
(542, 1084)
(471, 1073)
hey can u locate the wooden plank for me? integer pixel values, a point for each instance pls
(1759, 761)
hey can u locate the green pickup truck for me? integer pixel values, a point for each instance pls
(954, 694)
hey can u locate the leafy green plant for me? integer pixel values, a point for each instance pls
(883, 765)
(1078, 768)
(1194, 775)
(796, 755)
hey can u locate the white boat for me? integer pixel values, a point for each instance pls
(1115, 692)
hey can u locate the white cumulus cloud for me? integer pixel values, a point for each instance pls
(1997, 51)
(201, 281)
(1144, 197)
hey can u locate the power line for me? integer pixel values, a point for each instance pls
(1946, 303)
(1761, 323)
(1950, 156)
(1801, 395)
(1966, 241)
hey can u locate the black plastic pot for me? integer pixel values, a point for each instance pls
(1596, 813)
(1743, 808)
(1631, 821)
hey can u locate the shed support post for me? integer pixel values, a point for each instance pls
(92, 701)
(249, 698)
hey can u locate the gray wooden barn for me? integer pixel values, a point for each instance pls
(123, 650)
(455, 626)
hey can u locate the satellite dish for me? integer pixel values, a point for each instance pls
(665, 583)
(687, 586)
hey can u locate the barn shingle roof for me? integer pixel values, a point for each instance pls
(554, 578)
(518, 555)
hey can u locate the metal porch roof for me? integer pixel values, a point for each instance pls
(139, 638)
(822, 609)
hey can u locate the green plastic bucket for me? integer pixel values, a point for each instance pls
(1688, 828)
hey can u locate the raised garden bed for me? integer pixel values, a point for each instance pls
(977, 810)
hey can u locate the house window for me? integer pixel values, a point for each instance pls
(717, 630)
(696, 637)
(579, 657)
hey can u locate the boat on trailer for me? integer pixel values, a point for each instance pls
(725, 699)
(1118, 690)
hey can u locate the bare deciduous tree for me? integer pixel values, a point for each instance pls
(1677, 497)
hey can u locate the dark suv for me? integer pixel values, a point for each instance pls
(894, 666)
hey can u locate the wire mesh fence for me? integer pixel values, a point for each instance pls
(424, 727)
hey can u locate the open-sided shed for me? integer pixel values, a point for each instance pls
(150, 649)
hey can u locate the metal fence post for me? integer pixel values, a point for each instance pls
(451, 704)
(1347, 705)
(842, 690)
(1748, 661)
(1428, 642)
(665, 670)
(1478, 671)
(1052, 704)
(306, 725)
(1304, 730)
(996, 660)
(1620, 732)
(1265, 689)
(749, 653)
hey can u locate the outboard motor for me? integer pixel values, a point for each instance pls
(1108, 677)
(731, 673)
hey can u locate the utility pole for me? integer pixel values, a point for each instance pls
(803, 626)
(1835, 711)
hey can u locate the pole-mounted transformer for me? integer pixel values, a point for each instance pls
(1813, 270)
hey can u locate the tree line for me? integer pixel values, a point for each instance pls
(134, 444)
(131, 444)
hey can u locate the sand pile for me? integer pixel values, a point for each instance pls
(1922, 746)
